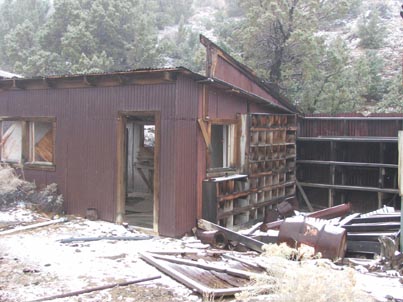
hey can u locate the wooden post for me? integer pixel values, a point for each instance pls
(332, 173)
(381, 174)
(400, 179)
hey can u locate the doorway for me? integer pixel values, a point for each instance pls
(139, 186)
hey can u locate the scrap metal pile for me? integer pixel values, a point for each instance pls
(332, 232)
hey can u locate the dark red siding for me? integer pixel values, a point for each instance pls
(85, 147)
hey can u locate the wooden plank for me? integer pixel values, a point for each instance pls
(98, 288)
(369, 139)
(348, 219)
(302, 191)
(144, 178)
(231, 235)
(373, 227)
(210, 267)
(378, 218)
(368, 236)
(221, 198)
(33, 226)
(204, 131)
(351, 188)
(156, 180)
(120, 169)
(190, 283)
(351, 164)
(363, 247)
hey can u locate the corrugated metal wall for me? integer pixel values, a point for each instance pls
(86, 142)
(85, 146)
(349, 127)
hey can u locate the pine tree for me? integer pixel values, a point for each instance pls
(371, 31)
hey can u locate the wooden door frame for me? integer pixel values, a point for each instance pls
(121, 161)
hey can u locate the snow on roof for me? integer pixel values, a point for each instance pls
(5, 74)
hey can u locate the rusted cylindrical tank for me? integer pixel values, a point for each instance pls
(329, 240)
(216, 239)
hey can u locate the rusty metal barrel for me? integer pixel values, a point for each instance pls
(329, 240)
(216, 239)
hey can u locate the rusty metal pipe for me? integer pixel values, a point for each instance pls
(333, 212)
(216, 239)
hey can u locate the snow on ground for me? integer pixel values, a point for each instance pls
(36, 264)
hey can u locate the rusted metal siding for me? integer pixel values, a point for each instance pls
(225, 105)
(184, 156)
(85, 146)
(226, 72)
(360, 126)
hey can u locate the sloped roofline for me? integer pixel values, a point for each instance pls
(245, 70)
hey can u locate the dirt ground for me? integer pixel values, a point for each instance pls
(35, 264)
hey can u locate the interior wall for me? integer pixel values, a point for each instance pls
(134, 180)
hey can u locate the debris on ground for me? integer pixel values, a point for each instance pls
(317, 256)
(16, 191)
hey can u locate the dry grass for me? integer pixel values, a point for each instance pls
(9, 181)
(301, 281)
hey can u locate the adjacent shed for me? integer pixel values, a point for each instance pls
(349, 158)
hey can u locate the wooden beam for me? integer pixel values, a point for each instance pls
(351, 164)
(206, 137)
(231, 235)
(350, 188)
(230, 271)
(302, 191)
(120, 169)
(190, 283)
(98, 288)
(355, 139)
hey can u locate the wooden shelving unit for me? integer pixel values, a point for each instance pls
(272, 153)
(270, 179)
(342, 164)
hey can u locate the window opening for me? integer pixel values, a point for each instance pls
(41, 146)
(11, 141)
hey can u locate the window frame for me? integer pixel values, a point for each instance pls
(27, 159)
(230, 151)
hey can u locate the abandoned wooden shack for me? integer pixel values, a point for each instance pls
(157, 148)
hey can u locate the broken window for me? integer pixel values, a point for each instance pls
(11, 141)
(149, 136)
(27, 141)
(222, 146)
(41, 142)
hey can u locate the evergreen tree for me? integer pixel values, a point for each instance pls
(371, 31)
(393, 98)
(19, 23)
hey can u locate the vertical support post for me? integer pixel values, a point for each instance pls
(332, 172)
(381, 174)
(400, 184)
(120, 169)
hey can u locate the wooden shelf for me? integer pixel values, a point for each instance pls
(351, 188)
(354, 139)
(351, 164)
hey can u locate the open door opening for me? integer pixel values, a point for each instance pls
(140, 148)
